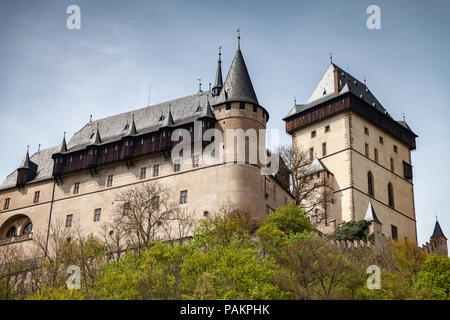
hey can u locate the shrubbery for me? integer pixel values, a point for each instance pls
(232, 256)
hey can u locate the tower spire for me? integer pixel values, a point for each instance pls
(238, 85)
(239, 37)
(97, 138)
(63, 147)
(218, 85)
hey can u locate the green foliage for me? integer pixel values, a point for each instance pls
(286, 260)
(290, 219)
(57, 294)
(435, 274)
(352, 230)
(233, 272)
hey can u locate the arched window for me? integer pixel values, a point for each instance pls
(391, 195)
(12, 232)
(370, 183)
(27, 229)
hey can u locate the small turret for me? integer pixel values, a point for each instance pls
(97, 138)
(131, 130)
(63, 146)
(218, 85)
(27, 170)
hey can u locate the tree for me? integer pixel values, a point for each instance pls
(435, 274)
(351, 230)
(143, 215)
(308, 194)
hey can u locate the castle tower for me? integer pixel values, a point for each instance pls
(438, 241)
(368, 152)
(237, 109)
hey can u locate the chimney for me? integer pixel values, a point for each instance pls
(336, 80)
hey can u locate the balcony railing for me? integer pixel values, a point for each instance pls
(15, 239)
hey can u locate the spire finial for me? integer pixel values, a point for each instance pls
(64, 134)
(239, 37)
(331, 57)
(28, 148)
(220, 54)
(90, 118)
(199, 85)
(210, 87)
(39, 147)
(365, 81)
(295, 100)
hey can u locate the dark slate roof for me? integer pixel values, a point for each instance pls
(315, 166)
(238, 85)
(44, 162)
(371, 215)
(147, 119)
(63, 146)
(405, 125)
(26, 163)
(182, 111)
(219, 81)
(347, 83)
(437, 232)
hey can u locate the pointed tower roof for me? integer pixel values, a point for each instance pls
(167, 121)
(97, 138)
(371, 215)
(218, 85)
(437, 232)
(26, 162)
(63, 146)
(315, 166)
(238, 85)
(207, 111)
(131, 130)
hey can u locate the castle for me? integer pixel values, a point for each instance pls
(354, 145)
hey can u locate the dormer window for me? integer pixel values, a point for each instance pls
(161, 118)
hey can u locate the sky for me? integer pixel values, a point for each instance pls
(53, 78)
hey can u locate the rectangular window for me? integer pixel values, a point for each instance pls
(311, 154)
(394, 232)
(183, 196)
(375, 154)
(255, 108)
(156, 201)
(367, 150)
(327, 129)
(143, 172)
(76, 188)
(97, 214)
(395, 149)
(313, 134)
(196, 161)
(381, 140)
(69, 219)
(176, 166)
(109, 182)
(242, 105)
(126, 209)
(36, 196)
(156, 170)
(324, 149)
(228, 106)
(6, 204)
(392, 165)
(407, 170)
(366, 131)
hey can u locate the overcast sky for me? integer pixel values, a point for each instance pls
(53, 78)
